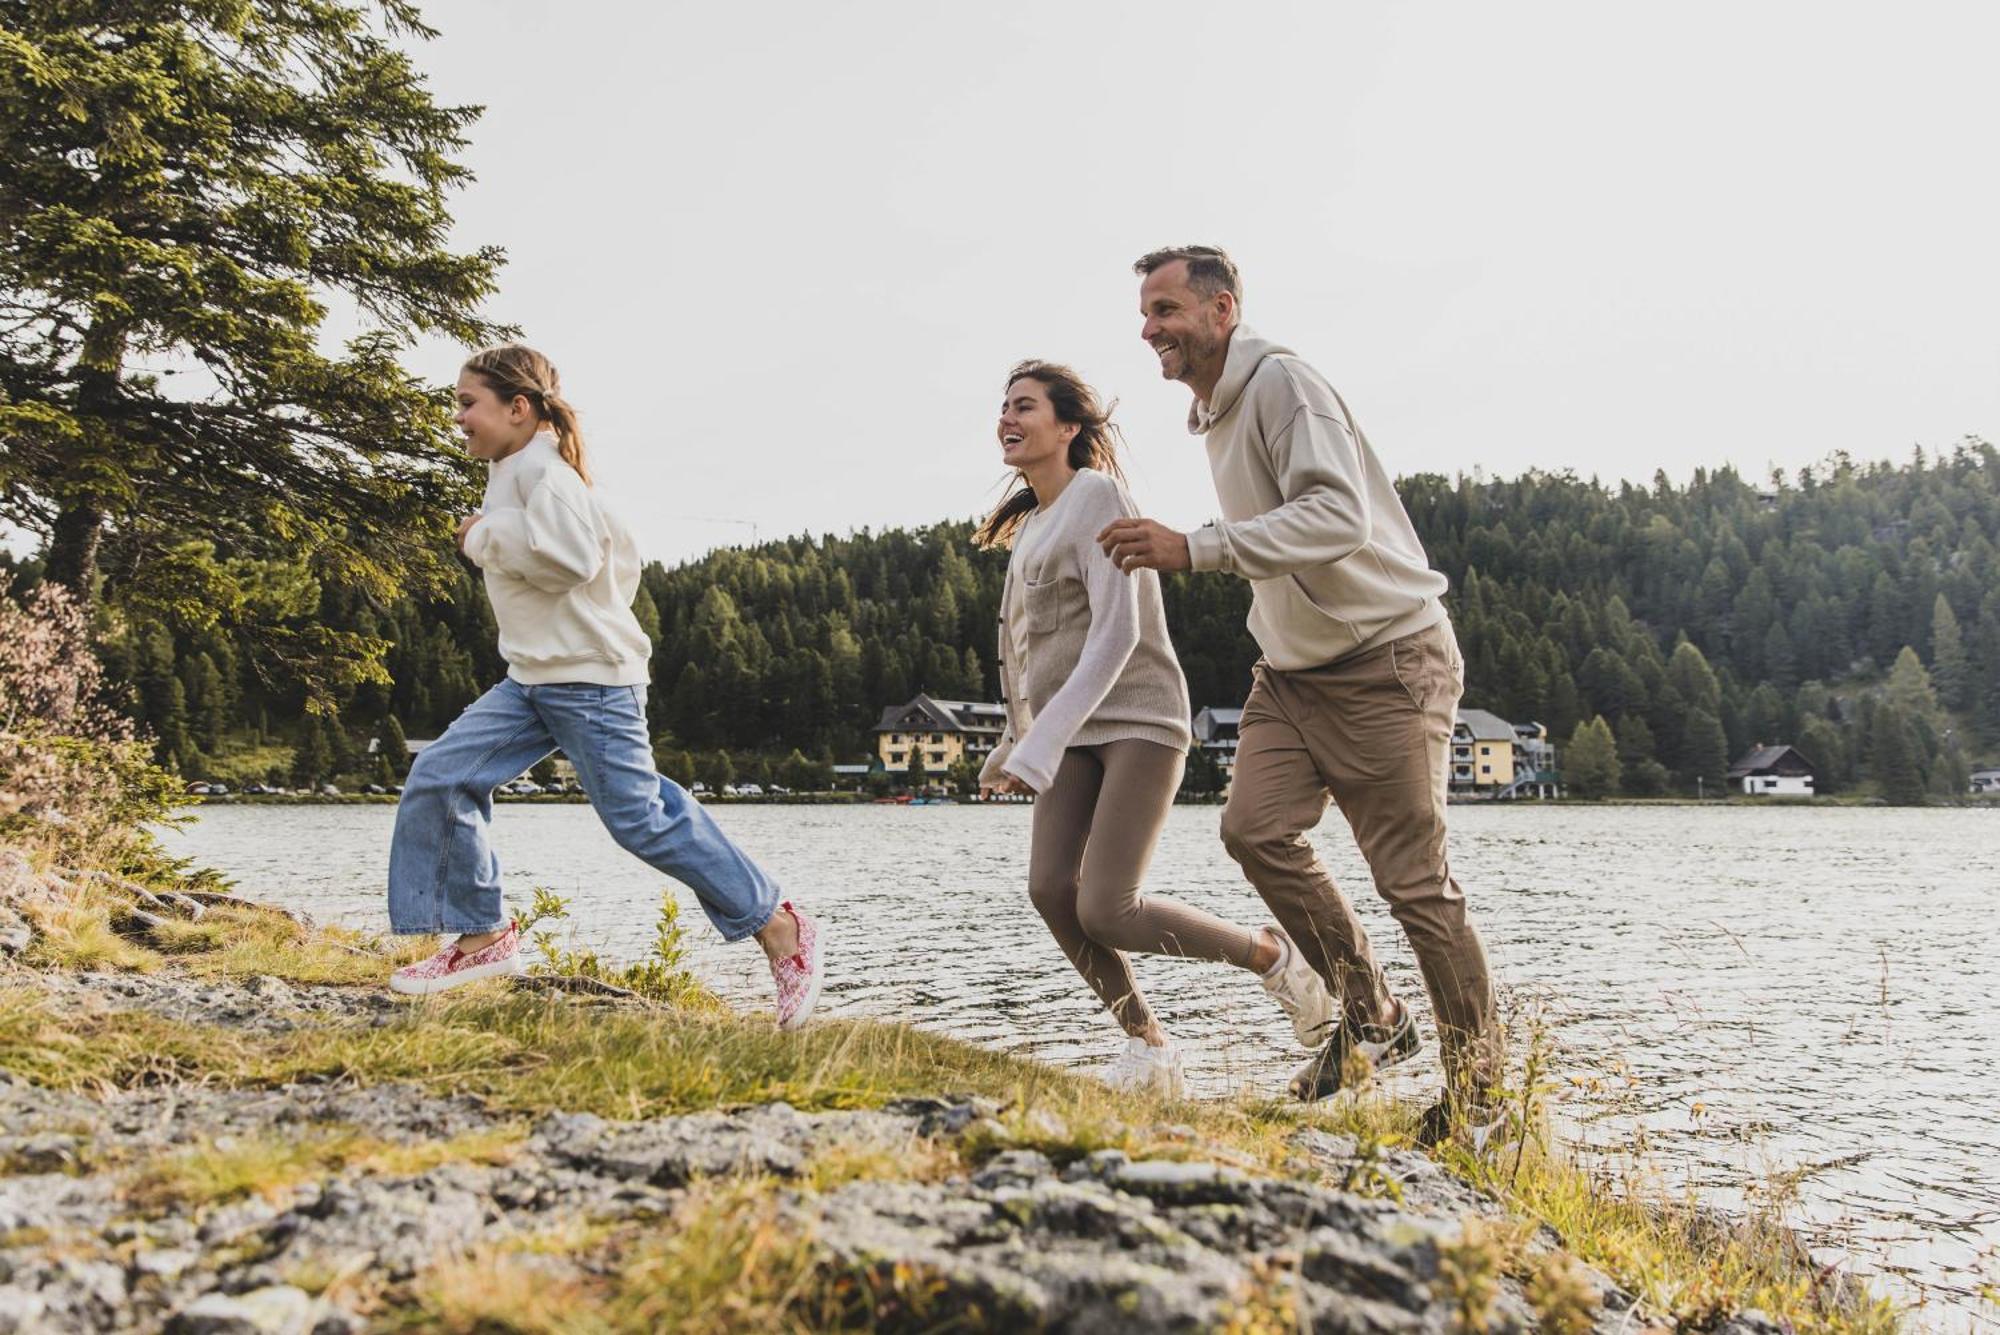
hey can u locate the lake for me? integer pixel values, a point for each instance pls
(1756, 990)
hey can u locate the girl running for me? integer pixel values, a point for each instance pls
(1097, 726)
(561, 572)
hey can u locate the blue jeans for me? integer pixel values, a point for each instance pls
(443, 873)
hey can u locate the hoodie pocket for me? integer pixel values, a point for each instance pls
(1041, 606)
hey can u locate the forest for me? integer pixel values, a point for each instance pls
(1852, 610)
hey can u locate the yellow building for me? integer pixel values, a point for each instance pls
(1482, 751)
(946, 731)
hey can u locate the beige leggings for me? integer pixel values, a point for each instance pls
(1094, 834)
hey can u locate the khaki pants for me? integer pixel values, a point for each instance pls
(1373, 732)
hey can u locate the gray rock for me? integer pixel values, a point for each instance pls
(1175, 1182)
(269, 990)
(1752, 1321)
(1013, 1168)
(21, 1312)
(167, 1263)
(1100, 1165)
(48, 1152)
(277, 1310)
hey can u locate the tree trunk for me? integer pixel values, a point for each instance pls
(73, 550)
(80, 524)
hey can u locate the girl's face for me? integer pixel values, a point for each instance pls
(493, 428)
(1029, 432)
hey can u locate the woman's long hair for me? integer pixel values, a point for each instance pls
(515, 368)
(1095, 444)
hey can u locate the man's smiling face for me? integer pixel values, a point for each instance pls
(1189, 332)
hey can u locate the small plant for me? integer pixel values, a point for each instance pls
(1564, 1299)
(1469, 1273)
(662, 975)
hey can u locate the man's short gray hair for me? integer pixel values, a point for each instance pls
(1210, 270)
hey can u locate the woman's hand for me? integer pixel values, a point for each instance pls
(1006, 786)
(465, 527)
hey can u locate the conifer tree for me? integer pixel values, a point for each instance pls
(1951, 672)
(394, 746)
(1897, 767)
(1590, 762)
(185, 186)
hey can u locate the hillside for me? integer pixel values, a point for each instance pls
(1696, 619)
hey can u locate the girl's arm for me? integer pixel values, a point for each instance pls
(1107, 647)
(553, 542)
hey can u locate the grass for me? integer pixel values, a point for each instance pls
(234, 1168)
(528, 1053)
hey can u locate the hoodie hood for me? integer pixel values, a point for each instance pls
(1247, 351)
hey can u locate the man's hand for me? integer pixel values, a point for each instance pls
(1007, 786)
(465, 527)
(1144, 544)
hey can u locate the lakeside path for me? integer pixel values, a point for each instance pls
(213, 1118)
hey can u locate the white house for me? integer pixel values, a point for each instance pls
(1773, 771)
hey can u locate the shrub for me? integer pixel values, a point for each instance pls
(76, 784)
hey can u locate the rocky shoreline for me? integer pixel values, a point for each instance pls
(171, 1198)
(1103, 1242)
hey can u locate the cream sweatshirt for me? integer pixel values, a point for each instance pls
(561, 573)
(1309, 514)
(1084, 652)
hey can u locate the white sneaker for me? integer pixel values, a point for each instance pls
(1300, 991)
(1143, 1069)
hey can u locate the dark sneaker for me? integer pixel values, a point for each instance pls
(1475, 1125)
(1380, 1046)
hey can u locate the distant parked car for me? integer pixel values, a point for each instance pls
(749, 790)
(373, 788)
(198, 789)
(217, 788)
(779, 790)
(699, 788)
(730, 790)
(260, 789)
(328, 790)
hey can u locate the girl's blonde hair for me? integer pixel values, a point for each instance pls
(511, 369)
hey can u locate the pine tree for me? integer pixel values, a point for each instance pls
(312, 762)
(1951, 671)
(1820, 743)
(1590, 762)
(1895, 762)
(1910, 686)
(189, 183)
(394, 747)
(1704, 754)
(1985, 689)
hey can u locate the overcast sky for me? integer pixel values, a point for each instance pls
(785, 254)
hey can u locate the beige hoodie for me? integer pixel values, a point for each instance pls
(561, 573)
(1309, 514)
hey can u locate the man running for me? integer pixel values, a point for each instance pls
(1355, 696)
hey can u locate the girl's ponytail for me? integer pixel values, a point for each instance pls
(511, 369)
(569, 436)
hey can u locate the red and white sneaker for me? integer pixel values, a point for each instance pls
(452, 966)
(799, 975)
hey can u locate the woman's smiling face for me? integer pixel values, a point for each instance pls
(1028, 430)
